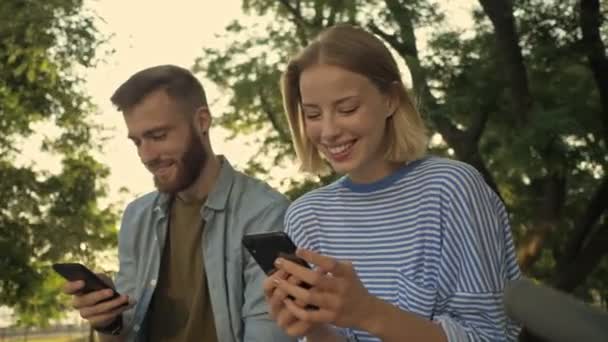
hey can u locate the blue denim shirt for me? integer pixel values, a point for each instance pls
(237, 205)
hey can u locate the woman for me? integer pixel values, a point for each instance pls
(405, 247)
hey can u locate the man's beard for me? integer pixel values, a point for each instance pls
(189, 167)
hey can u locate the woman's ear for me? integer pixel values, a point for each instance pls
(393, 99)
(202, 120)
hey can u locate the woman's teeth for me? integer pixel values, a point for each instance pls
(340, 148)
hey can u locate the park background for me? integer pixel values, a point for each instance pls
(518, 89)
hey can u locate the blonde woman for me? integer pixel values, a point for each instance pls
(406, 246)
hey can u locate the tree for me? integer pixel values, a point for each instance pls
(47, 216)
(522, 95)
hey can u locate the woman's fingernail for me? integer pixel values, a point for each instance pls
(278, 262)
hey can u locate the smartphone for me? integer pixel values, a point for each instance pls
(75, 271)
(267, 247)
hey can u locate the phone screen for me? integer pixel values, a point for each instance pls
(267, 247)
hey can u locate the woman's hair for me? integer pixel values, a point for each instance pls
(358, 51)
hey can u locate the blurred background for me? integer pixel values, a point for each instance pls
(518, 89)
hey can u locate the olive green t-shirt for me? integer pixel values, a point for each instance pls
(181, 308)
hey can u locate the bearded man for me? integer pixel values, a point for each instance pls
(183, 274)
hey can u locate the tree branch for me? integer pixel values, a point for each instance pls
(598, 204)
(317, 21)
(334, 6)
(465, 144)
(552, 188)
(478, 124)
(570, 276)
(301, 23)
(266, 107)
(295, 12)
(590, 19)
(409, 50)
(399, 46)
(501, 15)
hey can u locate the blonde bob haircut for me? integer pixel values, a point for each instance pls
(358, 51)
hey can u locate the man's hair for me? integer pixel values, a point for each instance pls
(179, 84)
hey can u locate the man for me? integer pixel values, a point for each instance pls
(183, 274)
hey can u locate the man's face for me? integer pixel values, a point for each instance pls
(167, 142)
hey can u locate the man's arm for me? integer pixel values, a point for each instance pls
(94, 308)
(125, 282)
(257, 323)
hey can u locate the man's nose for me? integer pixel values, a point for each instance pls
(146, 152)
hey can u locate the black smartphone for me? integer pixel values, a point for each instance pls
(267, 247)
(75, 271)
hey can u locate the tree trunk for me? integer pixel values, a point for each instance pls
(590, 20)
(507, 41)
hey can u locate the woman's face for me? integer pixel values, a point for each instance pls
(345, 118)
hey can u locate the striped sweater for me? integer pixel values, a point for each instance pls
(432, 239)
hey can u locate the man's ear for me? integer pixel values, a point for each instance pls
(202, 120)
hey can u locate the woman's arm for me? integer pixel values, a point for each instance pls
(343, 301)
(390, 323)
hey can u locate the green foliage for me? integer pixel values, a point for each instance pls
(47, 217)
(547, 167)
(45, 305)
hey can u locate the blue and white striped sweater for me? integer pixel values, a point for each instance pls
(432, 239)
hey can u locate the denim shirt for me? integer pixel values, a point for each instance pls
(237, 205)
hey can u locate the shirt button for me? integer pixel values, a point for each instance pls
(153, 282)
(136, 327)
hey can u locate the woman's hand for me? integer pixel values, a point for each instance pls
(275, 298)
(335, 289)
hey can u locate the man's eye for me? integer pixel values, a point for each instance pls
(159, 136)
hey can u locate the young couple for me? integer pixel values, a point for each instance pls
(404, 247)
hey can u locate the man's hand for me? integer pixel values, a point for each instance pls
(92, 307)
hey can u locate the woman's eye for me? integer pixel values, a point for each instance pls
(349, 110)
(311, 115)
